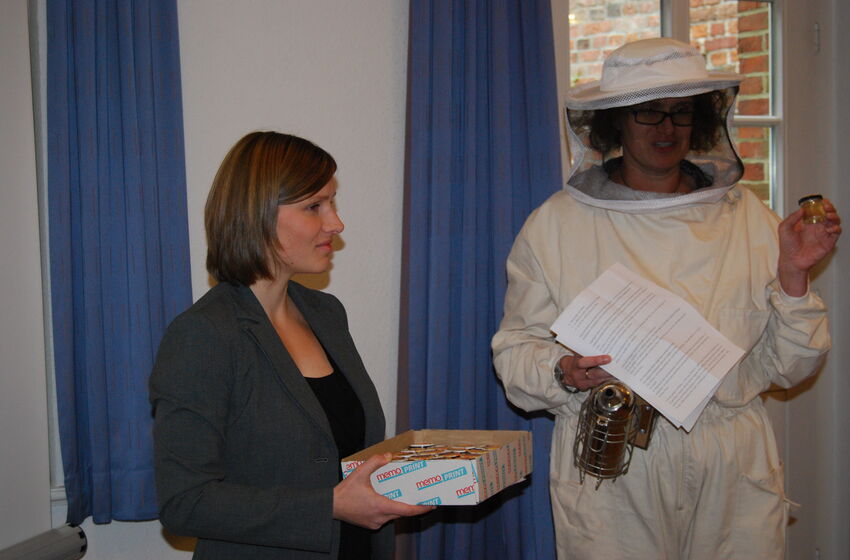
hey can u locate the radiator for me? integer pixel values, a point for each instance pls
(64, 543)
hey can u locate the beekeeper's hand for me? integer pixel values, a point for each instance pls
(802, 246)
(584, 372)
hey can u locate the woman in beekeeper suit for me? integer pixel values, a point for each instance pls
(653, 187)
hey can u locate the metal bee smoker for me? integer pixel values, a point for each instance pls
(613, 419)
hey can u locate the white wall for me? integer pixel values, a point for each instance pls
(818, 140)
(838, 513)
(24, 468)
(335, 73)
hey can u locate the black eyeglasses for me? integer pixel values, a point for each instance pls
(652, 116)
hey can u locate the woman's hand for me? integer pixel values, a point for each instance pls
(584, 372)
(801, 246)
(356, 502)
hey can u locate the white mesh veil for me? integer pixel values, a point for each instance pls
(653, 69)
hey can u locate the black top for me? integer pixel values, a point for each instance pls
(345, 415)
(343, 409)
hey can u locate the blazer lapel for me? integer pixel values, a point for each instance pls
(337, 342)
(256, 323)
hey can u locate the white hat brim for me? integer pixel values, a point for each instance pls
(588, 96)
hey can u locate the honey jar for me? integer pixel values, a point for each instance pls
(813, 210)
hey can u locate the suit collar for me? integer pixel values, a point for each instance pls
(256, 323)
(335, 339)
(333, 334)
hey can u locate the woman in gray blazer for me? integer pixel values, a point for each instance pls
(258, 390)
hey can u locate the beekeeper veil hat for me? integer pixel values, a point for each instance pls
(643, 71)
(646, 70)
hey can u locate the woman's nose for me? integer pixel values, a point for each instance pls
(333, 223)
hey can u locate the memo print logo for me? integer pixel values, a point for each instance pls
(438, 478)
(435, 501)
(393, 494)
(465, 491)
(398, 471)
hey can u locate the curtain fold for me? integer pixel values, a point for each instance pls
(483, 151)
(119, 243)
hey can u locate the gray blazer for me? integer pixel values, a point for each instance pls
(245, 458)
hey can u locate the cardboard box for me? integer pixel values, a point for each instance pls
(495, 460)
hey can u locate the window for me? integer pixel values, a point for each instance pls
(597, 27)
(733, 36)
(737, 36)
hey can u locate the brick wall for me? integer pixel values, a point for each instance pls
(734, 37)
(597, 27)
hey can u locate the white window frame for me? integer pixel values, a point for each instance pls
(37, 10)
(675, 23)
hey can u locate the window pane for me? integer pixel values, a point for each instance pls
(735, 37)
(754, 144)
(597, 27)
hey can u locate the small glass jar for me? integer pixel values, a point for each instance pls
(813, 210)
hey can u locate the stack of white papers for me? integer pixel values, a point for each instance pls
(659, 344)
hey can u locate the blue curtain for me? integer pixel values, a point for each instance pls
(483, 150)
(119, 245)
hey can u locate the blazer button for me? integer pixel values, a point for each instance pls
(320, 460)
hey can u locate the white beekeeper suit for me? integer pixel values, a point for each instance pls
(716, 492)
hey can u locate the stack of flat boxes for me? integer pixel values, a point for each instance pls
(448, 467)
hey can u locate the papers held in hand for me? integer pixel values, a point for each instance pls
(659, 344)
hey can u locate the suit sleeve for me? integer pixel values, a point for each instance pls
(795, 343)
(524, 350)
(796, 338)
(190, 390)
